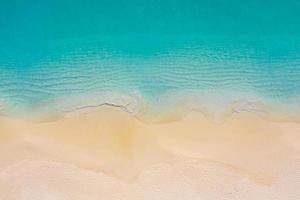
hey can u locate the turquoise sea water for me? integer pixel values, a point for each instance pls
(151, 56)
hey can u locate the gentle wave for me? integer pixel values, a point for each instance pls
(209, 77)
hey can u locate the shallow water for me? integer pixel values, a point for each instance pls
(151, 56)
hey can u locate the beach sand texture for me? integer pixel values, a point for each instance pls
(108, 153)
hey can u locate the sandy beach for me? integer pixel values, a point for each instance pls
(149, 100)
(109, 154)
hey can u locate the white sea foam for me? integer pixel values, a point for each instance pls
(217, 105)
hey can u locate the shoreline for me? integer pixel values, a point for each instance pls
(168, 107)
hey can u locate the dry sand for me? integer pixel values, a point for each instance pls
(109, 154)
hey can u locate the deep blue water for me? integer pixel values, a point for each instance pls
(208, 52)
